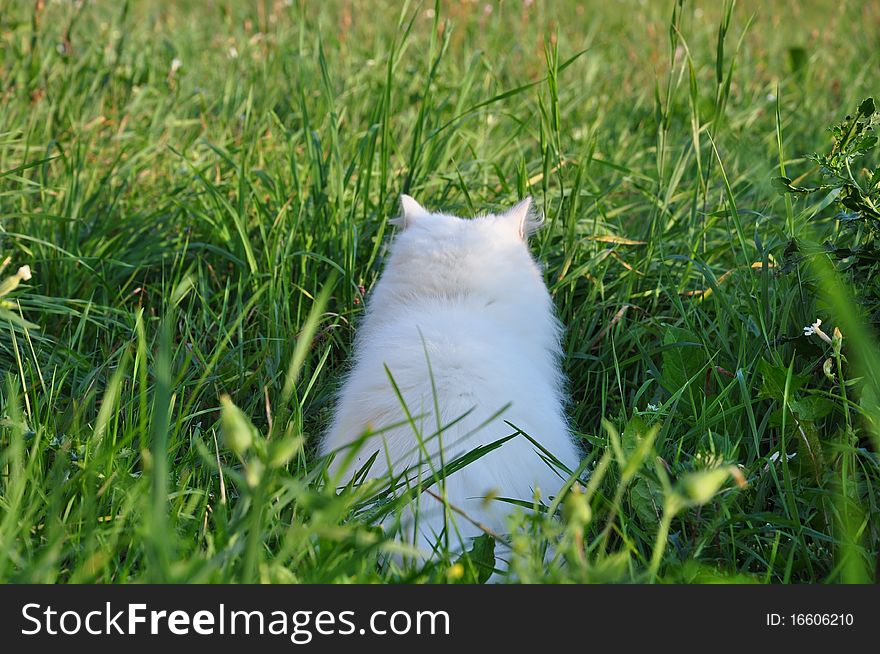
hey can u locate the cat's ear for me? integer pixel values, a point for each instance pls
(410, 211)
(522, 218)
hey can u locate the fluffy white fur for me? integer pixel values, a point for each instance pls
(462, 320)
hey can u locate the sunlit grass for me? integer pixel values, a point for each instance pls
(202, 192)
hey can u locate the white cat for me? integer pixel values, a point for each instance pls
(463, 324)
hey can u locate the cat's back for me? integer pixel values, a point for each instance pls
(472, 363)
(457, 344)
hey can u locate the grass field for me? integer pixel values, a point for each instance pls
(201, 191)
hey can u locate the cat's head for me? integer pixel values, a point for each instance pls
(437, 254)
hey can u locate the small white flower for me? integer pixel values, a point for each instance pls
(652, 407)
(816, 328)
(24, 273)
(233, 53)
(176, 64)
(812, 329)
(775, 457)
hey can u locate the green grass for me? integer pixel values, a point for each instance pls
(186, 181)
